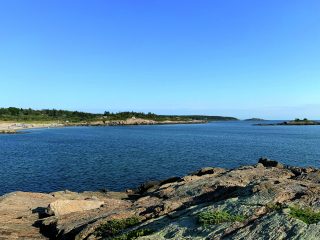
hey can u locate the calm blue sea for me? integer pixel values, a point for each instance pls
(116, 158)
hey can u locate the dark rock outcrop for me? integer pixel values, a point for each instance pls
(270, 163)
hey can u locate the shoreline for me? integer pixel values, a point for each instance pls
(17, 127)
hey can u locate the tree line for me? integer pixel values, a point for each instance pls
(17, 114)
(20, 114)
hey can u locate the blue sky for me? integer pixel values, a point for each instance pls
(236, 58)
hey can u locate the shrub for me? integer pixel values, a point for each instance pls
(216, 217)
(306, 215)
(274, 207)
(134, 234)
(115, 226)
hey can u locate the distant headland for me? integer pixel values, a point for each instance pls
(13, 119)
(254, 119)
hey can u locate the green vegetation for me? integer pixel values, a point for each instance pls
(299, 120)
(45, 115)
(152, 116)
(134, 234)
(19, 114)
(306, 215)
(115, 226)
(112, 228)
(216, 217)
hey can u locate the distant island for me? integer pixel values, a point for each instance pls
(296, 122)
(254, 119)
(13, 119)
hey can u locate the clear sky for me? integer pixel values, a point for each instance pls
(236, 58)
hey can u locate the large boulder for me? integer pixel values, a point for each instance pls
(62, 207)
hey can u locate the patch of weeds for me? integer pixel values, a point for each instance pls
(134, 234)
(115, 226)
(274, 207)
(306, 215)
(216, 217)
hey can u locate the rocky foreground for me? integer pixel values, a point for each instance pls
(264, 201)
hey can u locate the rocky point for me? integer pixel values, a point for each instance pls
(267, 200)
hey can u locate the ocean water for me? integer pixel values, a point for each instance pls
(120, 157)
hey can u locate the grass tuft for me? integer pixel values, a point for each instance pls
(306, 215)
(216, 217)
